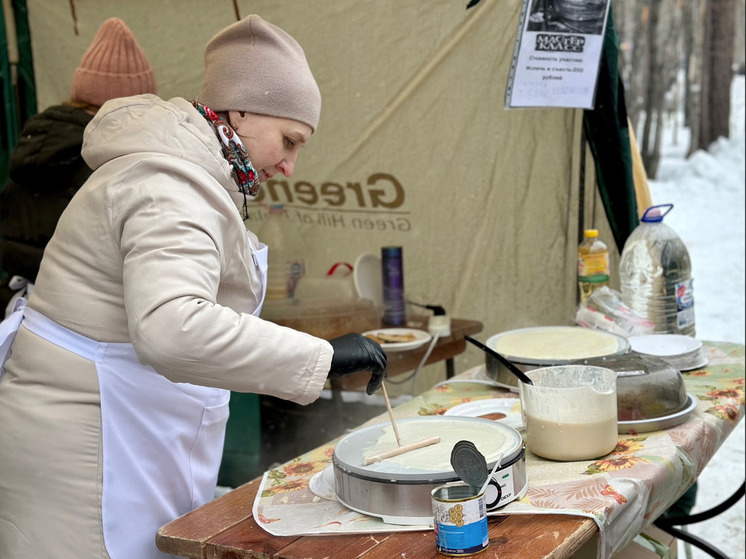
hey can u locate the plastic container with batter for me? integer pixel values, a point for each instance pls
(570, 412)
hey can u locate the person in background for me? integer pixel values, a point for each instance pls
(144, 316)
(46, 167)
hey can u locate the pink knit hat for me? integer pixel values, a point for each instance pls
(257, 67)
(113, 66)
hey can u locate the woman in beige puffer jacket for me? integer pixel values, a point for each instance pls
(114, 400)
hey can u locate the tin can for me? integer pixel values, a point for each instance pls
(459, 519)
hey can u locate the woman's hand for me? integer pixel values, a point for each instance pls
(354, 353)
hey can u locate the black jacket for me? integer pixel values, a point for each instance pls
(46, 170)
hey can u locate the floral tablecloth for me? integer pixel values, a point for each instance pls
(623, 492)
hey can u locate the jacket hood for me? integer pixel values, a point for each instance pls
(146, 125)
(48, 150)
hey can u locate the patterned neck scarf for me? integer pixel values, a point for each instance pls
(235, 153)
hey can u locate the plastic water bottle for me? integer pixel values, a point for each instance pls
(286, 262)
(655, 275)
(593, 264)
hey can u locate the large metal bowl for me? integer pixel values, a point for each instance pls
(533, 358)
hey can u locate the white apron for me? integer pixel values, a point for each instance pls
(8, 329)
(162, 441)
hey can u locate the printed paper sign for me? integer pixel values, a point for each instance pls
(557, 54)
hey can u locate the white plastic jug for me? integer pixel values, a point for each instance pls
(655, 274)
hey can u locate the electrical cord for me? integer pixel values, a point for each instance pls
(413, 375)
(440, 312)
(425, 357)
(471, 381)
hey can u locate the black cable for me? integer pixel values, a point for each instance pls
(667, 523)
(704, 515)
(708, 548)
(437, 309)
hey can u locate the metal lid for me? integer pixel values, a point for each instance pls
(469, 464)
(647, 387)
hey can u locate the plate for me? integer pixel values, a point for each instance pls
(420, 338)
(366, 274)
(322, 484)
(508, 407)
(696, 365)
(683, 352)
(660, 423)
(664, 345)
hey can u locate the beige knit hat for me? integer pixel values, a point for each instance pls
(257, 67)
(113, 66)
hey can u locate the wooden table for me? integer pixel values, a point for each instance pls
(400, 362)
(225, 529)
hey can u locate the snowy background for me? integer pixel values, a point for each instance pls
(707, 191)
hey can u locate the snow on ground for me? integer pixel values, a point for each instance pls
(707, 191)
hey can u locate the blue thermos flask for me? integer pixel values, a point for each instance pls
(394, 307)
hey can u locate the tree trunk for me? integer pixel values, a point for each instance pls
(638, 77)
(717, 71)
(654, 157)
(672, 68)
(687, 28)
(665, 57)
(694, 85)
(653, 89)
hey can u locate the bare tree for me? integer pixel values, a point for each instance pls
(653, 90)
(637, 68)
(694, 34)
(717, 71)
(663, 31)
(700, 39)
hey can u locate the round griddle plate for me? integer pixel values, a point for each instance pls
(492, 439)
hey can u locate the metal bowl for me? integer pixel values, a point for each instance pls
(533, 358)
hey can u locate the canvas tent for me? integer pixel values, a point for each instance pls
(414, 148)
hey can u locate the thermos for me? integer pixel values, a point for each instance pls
(392, 275)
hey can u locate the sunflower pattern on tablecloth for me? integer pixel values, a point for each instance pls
(622, 492)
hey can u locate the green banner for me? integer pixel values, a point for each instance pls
(608, 136)
(18, 93)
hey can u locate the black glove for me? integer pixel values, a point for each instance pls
(354, 353)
